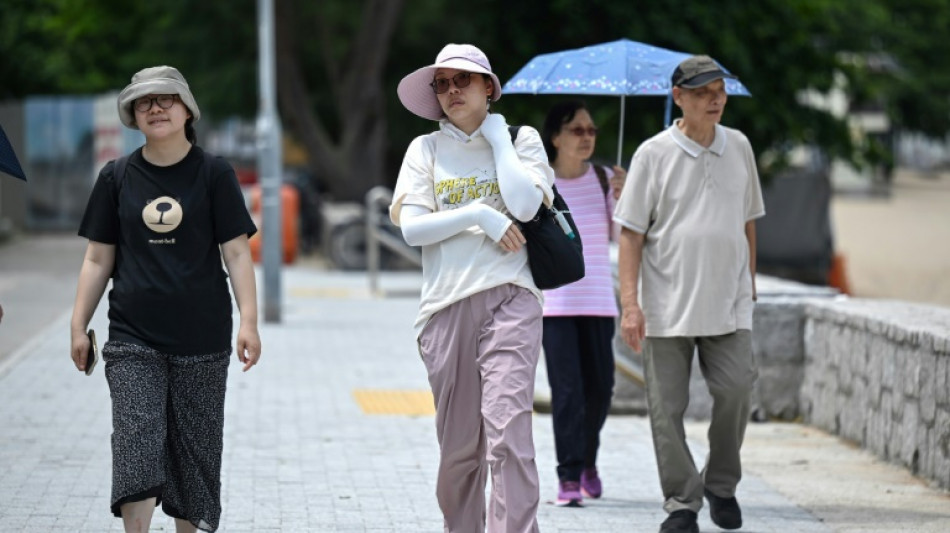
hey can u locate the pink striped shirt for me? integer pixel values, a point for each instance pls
(591, 208)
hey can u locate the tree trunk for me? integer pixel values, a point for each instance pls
(353, 164)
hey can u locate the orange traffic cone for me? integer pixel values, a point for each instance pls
(290, 208)
(838, 275)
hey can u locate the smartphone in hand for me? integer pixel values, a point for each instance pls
(93, 357)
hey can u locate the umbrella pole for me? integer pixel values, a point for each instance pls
(669, 109)
(623, 105)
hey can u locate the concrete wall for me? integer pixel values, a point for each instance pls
(878, 372)
(778, 345)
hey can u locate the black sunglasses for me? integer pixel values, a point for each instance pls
(164, 101)
(461, 80)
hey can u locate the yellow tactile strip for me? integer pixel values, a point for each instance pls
(394, 402)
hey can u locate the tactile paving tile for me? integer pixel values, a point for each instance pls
(394, 402)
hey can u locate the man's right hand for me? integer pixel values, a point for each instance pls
(633, 327)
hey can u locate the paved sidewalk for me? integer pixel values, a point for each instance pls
(302, 455)
(37, 284)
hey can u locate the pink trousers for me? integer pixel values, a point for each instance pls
(481, 354)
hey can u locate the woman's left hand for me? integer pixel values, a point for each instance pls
(617, 180)
(248, 346)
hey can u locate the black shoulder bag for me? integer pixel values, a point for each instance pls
(555, 253)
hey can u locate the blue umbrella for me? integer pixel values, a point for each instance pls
(8, 161)
(619, 68)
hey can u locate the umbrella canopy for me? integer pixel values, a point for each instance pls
(619, 68)
(8, 160)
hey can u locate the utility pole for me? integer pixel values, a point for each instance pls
(269, 162)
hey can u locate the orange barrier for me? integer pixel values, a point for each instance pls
(838, 274)
(289, 214)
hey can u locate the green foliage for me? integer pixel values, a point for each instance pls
(93, 46)
(24, 44)
(890, 53)
(918, 94)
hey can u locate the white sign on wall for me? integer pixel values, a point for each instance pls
(107, 131)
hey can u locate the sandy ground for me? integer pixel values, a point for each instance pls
(849, 489)
(898, 246)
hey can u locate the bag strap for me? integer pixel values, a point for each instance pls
(118, 173)
(513, 130)
(602, 176)
(118, 176)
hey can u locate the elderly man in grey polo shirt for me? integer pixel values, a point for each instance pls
(687, 212)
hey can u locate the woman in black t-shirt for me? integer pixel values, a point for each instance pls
(159, 222)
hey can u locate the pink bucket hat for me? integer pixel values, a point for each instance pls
(417, 95)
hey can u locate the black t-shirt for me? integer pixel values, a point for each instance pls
(169, 287)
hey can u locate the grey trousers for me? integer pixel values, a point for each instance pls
(729, 369)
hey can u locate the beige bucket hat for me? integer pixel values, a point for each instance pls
(155, 80)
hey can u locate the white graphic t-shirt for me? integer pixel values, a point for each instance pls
(446, 170)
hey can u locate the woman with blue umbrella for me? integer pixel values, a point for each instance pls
(579, 317)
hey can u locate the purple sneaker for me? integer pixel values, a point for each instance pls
(569, 494)
(590, 483)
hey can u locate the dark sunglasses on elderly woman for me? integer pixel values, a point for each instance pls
(579, 131)
(461, 80)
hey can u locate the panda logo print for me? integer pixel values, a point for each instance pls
(162, 214)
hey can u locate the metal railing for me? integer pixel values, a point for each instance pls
(378, 200)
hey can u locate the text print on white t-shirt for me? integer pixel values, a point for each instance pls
(455, 192)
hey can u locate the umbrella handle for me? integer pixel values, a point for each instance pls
(669, 109)
(623, 107)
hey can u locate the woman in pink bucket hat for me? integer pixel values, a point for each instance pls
(458, 195)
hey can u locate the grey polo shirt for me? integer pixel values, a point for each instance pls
(692, 204)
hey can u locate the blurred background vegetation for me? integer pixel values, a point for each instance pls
(339, 62)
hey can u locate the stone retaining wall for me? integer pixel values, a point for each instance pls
(878, 372)
(778, 345)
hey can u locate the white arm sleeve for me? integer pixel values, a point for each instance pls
(521, 196)
(520, 175)
(420, 226)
